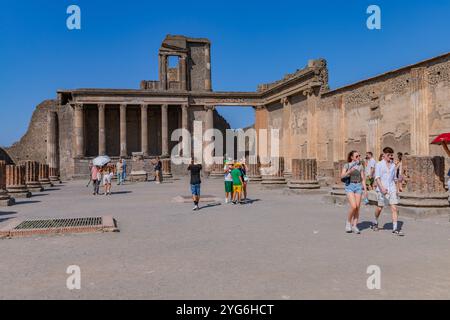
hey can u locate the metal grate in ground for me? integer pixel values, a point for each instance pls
(22, 228)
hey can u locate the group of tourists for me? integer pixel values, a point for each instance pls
(235, 182)
(385, 176)
(235, 178)
(103, 175)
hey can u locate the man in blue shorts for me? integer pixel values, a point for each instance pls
(195, 170)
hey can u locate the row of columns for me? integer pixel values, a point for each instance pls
(79, 129)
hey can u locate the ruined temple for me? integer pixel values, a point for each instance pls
(404, 109)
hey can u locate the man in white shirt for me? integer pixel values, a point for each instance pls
(387, 194)
(370, 170)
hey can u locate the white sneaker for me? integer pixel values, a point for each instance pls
(226, 200)
(348, 227)
(356, 230)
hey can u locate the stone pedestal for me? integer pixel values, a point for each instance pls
(304, 175)
(32, 176)
(166, 169)
(425, 192)
(217, 171)
(15, 182)
(44, 176)
(272, 173)
(54, 175)
(138, 173)
(337, 194)
(5, 198)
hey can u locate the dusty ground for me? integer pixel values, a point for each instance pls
(278, 247)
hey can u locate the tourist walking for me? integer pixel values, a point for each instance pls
(107, 180)
(353, 176)
(399, 171)
(369, 170)
(228, 167)
(124, 170)
(95, 174)
(119, 171)
(236, 174)
(244, 180)
(195, 182)
(157, 167)
(387, 195)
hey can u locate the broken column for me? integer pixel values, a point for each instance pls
(54, 175)
(253, 169)
(5, 198)
(166, 169)
(217, 171)
(337, 194)
(32, 176)
(272, 172)
(138, 172)
(44, 176)
(15, 182)
(304, 175)
(425, 192)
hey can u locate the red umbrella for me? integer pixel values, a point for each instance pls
(445, 137)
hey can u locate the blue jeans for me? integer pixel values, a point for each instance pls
(195, 189)
(119, 177)
(354, 188)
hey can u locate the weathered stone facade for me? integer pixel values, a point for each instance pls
(404, 109)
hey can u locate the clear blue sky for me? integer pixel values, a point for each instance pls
(252, 42)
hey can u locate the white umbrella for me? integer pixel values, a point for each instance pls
(101, 161)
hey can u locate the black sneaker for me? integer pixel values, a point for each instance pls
(398, 232)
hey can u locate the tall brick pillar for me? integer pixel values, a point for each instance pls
(304, 174)
(253, 169)
(44, 176)
(32, 176)
(273, 173)
(166, 168)
(5, 198)
(15, 182)
(425, 192)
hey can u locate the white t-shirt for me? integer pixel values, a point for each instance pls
(107, 178)
(370, 164)
(228, 176)
(386, 175)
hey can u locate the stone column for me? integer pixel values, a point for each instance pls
(337, 194)
(425, 192)
(54, 175)
(209, 124)
(123, 131)
(339, 129)
(312, 100)
(166, 168)
(52, 143)
(5, 198)
(144, 129)
(261, 137)
(163, 71)
(32, 176)
(185, 125)
(101, 130)
(273, 174)
(420, 145)
(164, 130)
(286, 142)
(253, 169)
(208, 85)
(183, 75)
(79, 130)
(15, 182)
(44, 176)
(304, 174)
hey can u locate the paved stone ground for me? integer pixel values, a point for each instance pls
(279, 247)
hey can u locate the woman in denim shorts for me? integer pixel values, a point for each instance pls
(353, 175)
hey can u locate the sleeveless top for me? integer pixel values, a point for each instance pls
(355, 176)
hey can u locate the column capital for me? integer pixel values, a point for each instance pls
(78, 106)
(285, 101)
(123, 105)
(260, 107)
(101, 106)
(209, 107)
(144, 106)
